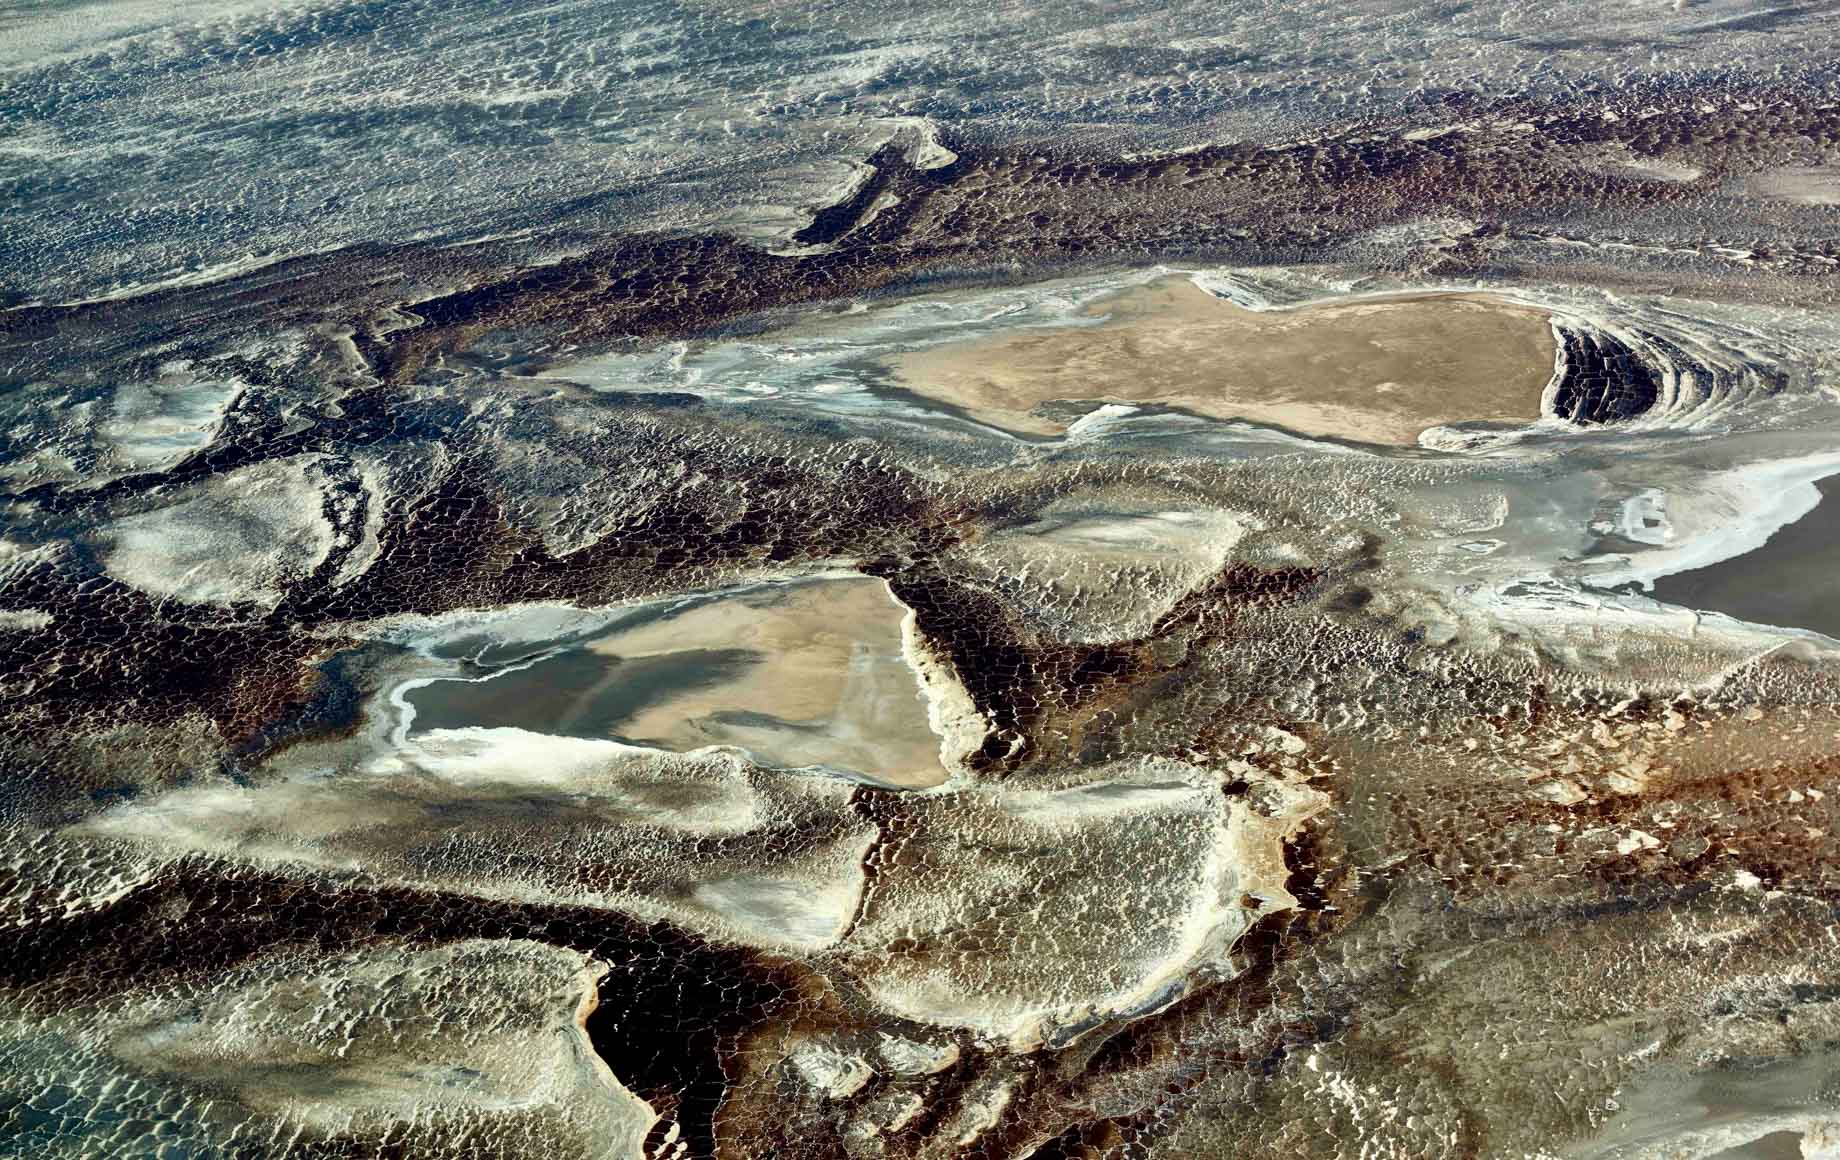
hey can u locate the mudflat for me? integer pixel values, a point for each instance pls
(1380, 370)
(806, 674)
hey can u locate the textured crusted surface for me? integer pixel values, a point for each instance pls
(515, 641)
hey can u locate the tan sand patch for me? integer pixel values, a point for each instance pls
(836, 691)
(1376, 370)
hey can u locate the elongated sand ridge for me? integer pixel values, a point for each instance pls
(1375, 370)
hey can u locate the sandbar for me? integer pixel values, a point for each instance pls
(1376, 370)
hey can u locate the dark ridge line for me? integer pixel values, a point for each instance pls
(1575, 114)
(834, 221)
(1256, 203)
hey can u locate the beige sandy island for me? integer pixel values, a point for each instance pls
(835, 688)
(1377, 370)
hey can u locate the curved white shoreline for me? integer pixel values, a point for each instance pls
(1770, 496)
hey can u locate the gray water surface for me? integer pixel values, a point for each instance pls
(1792, 581)
(578, 693)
